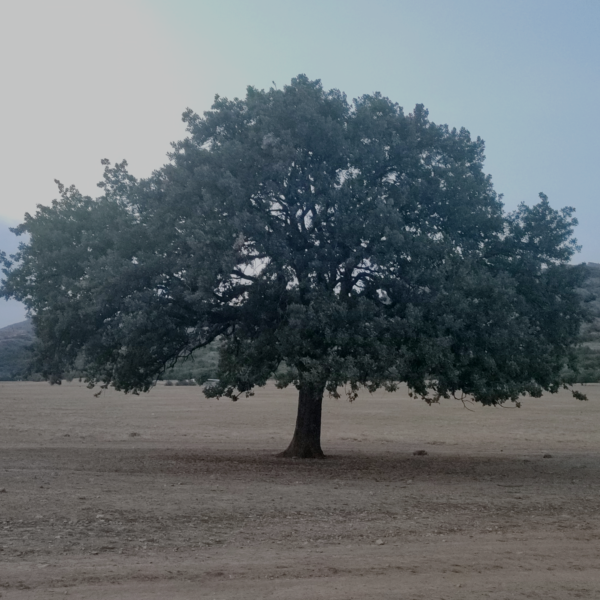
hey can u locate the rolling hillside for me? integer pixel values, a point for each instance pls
(16, 340)
(589, 353)
(14, 356)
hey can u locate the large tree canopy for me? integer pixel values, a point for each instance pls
(325, 243)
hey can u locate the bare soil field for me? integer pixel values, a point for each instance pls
(173, 496)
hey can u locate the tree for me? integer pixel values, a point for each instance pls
(325, 243)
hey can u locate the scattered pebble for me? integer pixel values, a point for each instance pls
(134, 434)
(379, 542)
(547, 455)
(420, 453)
(2, 490)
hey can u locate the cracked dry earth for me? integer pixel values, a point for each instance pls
(171, 495)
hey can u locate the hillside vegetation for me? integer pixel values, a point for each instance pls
(589, 352)
(202, 365)
(16, 340)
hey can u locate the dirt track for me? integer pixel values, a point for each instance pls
(170, 495)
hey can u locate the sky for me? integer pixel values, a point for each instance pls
(85, 80)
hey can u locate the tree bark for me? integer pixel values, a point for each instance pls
(306, 442)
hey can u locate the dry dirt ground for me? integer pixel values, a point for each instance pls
(173, 496)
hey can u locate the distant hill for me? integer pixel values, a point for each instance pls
(16, 339)
(14, 356)
(591, 296)
(202, 365)
(589, 353)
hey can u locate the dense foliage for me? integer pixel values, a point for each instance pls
(334, 243)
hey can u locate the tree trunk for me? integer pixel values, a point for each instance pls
(306, 442)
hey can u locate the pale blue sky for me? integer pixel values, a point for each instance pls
(86, 80)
